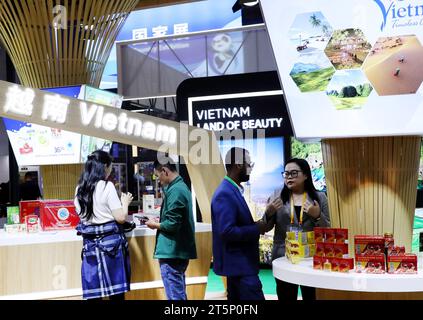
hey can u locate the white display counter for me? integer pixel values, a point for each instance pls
(18, 239)
(336, 282)
(47, 265)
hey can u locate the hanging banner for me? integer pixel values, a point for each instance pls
(61, 112)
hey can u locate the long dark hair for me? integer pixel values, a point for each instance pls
(308, 183)
(94, 171)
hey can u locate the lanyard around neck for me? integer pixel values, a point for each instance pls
(302, 208)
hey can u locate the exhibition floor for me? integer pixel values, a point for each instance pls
(216, 291)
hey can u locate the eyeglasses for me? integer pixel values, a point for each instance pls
(293, 173)
(251, 165)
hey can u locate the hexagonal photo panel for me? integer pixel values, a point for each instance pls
(312, 72)
(310, 32)
(347, 49)
(394, 65)
(349, 89)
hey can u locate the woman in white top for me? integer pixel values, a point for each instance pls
(105, 267)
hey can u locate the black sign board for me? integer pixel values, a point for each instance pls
(241, 102)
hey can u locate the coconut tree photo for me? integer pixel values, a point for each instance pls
(310, 32)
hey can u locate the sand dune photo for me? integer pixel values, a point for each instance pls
(394, 65)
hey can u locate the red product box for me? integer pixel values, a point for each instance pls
(340, 249)
(318, 263)
(319, 234)
(346, 264)
(335, 264)
(404, 264)
(370, 264)
(31, 222)
(329, 250)
(341, 235)
(320, 249)
(28, 208)
(58, 215)
(330, 235)
(369, 245)
(396, 251)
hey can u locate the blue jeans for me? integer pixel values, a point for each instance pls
(173, 276)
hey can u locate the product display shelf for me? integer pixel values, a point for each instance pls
(351, 285)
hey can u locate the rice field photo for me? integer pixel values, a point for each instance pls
(349, 89)
(310, 32)
(312, 72)
(347, 49)
(394, 65)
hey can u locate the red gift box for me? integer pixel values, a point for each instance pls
(58, 215)
(29, 208)
(404, 264)
(369, 245)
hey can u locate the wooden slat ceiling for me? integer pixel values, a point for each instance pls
(145, 4)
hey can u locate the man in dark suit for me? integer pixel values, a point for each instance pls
(235, 234)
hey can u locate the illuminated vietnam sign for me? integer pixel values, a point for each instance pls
(43, 108)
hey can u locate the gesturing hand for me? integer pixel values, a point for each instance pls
(312, 209)
(273, 207)
(126, 199)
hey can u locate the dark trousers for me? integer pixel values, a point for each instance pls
(116, 297)
(289, 292)
(245, 288)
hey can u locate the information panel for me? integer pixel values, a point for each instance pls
(349, 68)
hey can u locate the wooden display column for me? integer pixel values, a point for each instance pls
(60, 180)
(372, 186)
(59, 44)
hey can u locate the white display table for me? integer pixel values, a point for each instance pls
(339, 284)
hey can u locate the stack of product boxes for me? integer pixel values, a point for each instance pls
(49, 215)
(299, 245)
(13, 222)
(378, 255)
(332, 250)
(369, 254)
(29, 212)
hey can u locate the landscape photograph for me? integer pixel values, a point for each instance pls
(394, 65)
(349, 89)
(347, 49)
(312, 72)
(310, 32)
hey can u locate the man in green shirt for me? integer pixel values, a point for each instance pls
(175, 239)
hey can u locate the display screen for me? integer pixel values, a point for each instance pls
(178, 19)
(312, 153)
(250, 111)
(349, 68)
(91, 144)
(38, 145)
(268, 157)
